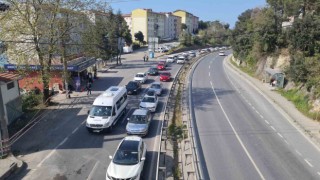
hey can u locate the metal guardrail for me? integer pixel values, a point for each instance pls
(162, 150)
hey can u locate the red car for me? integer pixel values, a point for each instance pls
(161, 66)
(165, 76)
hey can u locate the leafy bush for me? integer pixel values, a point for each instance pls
(30, 100)
(299, 100)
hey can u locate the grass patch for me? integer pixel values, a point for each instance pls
(299, 100)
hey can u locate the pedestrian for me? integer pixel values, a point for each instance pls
(147, 58)
(144, 58)
(88, 88)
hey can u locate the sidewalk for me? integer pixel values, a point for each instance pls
(306, 125)
(8, 166)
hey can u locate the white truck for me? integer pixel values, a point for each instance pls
(107, 109)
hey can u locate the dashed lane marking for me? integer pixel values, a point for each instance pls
(280, 135)
(318, 173)
(308, 162)
(298, 153)
(237, 135)
(266, 121)
(93, 170)
(273, 128)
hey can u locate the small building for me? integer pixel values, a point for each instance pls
(10, 93)
(78, 70)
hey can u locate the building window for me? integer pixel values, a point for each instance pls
(10, 85)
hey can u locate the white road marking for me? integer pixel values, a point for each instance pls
(286, 141)
(298, 153)
(210, 66)
(237, 136)
(209, 74)
(273, 128)
(266, 121)
(249, 104)
(65, 139)
(308, 162)
(55, 149)
(318, 173)
(75, 130)
(93, 170)
(280, 135)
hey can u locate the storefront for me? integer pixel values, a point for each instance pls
(79, 69)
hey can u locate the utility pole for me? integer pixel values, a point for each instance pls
(4, 134)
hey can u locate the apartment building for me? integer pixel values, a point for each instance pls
(150, 23)
(191, 21)
(172, 26)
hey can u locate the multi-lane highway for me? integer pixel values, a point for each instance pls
(242, 135)
(59, 146)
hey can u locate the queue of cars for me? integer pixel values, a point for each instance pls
(130, 155)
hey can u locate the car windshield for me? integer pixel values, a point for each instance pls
(139, 75)
(138, 119)
(151, 93)
(155, 86)
(101, 111)
(126, 157)
(148, 99)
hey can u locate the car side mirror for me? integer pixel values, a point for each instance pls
(88, 112)
(110, 157)
(143, 158)
(113, 113)
(128, 119)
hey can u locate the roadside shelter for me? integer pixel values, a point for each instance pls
(274, 76)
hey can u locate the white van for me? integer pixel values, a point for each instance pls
(107, 108)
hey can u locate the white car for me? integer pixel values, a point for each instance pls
(141, 77)
(181, 60)
(149, 102)
(192, 54)
(128, 160)
(171, 59)
(221, 53)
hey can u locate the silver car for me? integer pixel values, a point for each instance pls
(138, 123)
(157, 87)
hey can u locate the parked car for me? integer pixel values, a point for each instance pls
(181, 60)
(128, 160)
(185, 54)
(141, 77)
(157, 87)
(149, 102)
(153, 71)
(161, 66)
(133, 87)
(165, 76)
(161, 50)
(163, 62)
(221, 53)
(138, 123)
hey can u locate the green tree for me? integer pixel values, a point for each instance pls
(139, 37)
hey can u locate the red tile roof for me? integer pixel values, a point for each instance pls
(7, 77)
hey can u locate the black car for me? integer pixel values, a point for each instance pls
(133, 87)
(153, 71)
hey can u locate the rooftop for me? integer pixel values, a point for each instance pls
(7, 77)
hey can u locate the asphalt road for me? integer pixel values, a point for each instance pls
(59, 146)
(242, 135)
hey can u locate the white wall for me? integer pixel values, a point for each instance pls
(10, 94)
